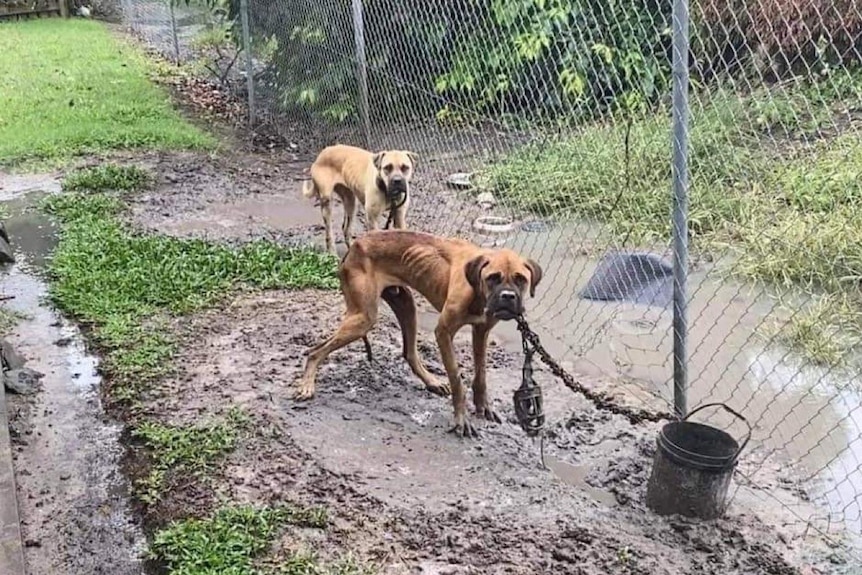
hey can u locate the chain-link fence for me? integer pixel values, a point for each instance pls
(548, 126)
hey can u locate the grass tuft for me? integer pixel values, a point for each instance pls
(180, 451)
(69, 88)
(229, 541)
(107, 178)
(9, 319)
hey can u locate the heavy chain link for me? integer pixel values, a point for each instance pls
(601, 400)
(394, 205)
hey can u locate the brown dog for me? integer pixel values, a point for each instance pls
(378, 181)
(465, 283)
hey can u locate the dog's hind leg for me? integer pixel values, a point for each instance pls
(362, 303)
(404, 306)
(348, 202)
(326, 210)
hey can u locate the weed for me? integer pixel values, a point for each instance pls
(180, 451)
(108, 177)
(92, 92)
(122, 283)
(793, 220)
(827, 331)
(229, 541)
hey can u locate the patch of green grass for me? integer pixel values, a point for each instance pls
(123, 283)
(179, 451)
(68, 88)
(586, 175)
(791, 214)
(108, 177)
(827, 331)
(229, 542)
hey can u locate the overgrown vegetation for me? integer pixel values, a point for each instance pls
(68, 87)
(229, 542)
(122, 283)
(108, 177)
(774, 178)
(541, 60)
(180, 451)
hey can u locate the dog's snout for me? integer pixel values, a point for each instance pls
(508, 296)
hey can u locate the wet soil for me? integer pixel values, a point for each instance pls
(372, 446)
(72, 496)
(242, 196)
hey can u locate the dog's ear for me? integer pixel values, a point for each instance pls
(535, 275)
(378, 159)
(473, 271)
(414, 158)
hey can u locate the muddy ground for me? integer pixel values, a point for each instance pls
(372, 446)
(405, 496)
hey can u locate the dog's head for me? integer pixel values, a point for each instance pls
(501, 280)
(394, 171)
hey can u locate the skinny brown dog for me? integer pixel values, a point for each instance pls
(465, 283)
(377, 181)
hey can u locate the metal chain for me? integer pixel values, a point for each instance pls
(601, 400)
(394, 205)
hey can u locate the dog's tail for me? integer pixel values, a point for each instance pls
(309, 189)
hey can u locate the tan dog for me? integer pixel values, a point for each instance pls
(377, 181)
(465, 283)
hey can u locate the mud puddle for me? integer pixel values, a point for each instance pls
(807, 419)
(72, 496)
(372, 434)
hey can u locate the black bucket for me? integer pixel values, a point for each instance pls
(692, 468)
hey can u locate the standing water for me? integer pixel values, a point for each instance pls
(72, 495)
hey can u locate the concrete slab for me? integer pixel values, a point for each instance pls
(11, 548)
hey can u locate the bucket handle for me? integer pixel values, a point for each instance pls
(732, 412)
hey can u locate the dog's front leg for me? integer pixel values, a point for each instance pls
(445, 333)
(480, 385)
(400, 216)
(372, 216)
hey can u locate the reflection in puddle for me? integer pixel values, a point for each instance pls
(802, 422)
(827, 447)
(74, 453)
(576, 475)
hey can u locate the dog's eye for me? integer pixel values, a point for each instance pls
(387, 168)
(520, 280)
(494, 278)
(405, 168)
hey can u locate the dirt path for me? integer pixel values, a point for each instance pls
(372, 447)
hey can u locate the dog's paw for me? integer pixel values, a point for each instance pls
(303, 392)
(465, 429)
(485, 412)
(441, 389)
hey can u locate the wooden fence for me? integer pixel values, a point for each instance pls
(19, 9)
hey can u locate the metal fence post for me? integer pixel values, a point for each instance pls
(680, 205)
(361, 69)
(174, 32)
(249, 65)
